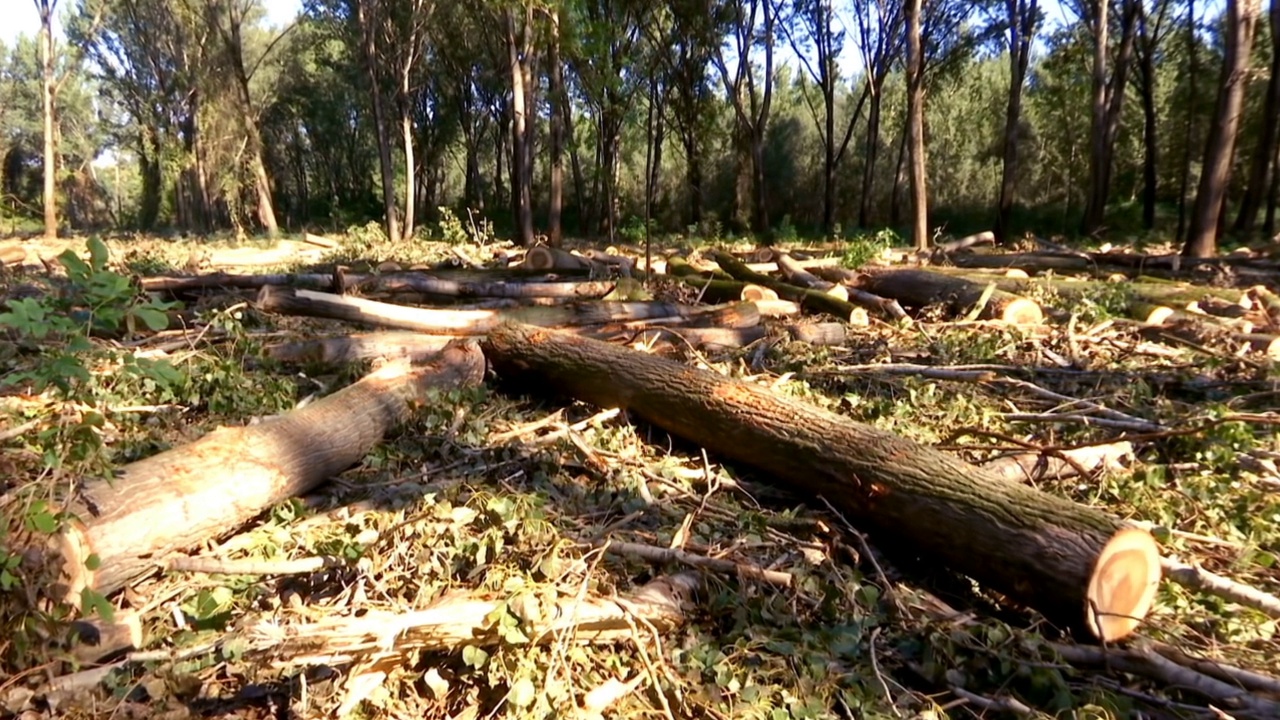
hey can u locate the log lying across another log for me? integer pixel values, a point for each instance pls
(921, 288)
(1076, 565)
(812, 299)
(197, 492)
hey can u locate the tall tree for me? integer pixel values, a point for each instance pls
(881, 37)
(1023, 18)
(229, 18)
(519, 26)
(1108, 100)
(915, 122)
(751, 23)
(1211, 196)
(1264, 156)
(1152, 30)
(1189, 127)
(368, 21)
(46, 8)
(559, 101)
(813, 26)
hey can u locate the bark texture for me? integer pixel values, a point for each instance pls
(1036, 548)
(197, 492)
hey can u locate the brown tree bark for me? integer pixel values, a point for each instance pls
(389, 345)
(752, 106)
(185, 496)
(559, 98)
(1039, 549)
(915, 123)
(1206, 216)
(922, 288)
(1193, 71)
(45, 8)
(1022, 17)
(520, 52)
(1150, 38)
(1264, 154)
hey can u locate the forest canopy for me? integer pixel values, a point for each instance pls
(587, 117)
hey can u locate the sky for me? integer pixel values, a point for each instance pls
(19, 16)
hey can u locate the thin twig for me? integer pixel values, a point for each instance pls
(1197, 578)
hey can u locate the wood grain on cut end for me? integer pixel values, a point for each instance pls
(1021, 311)
(1123, 586)
(758, 292)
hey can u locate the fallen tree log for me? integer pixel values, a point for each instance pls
(1036, 466)
(798, 276)
(390, 345)
(986, 237)
(12, 255)
(922, 288)
(811, 299)
(438, 321)
(404, 282)
(858, 296)
(197, 492)
(1076, 565)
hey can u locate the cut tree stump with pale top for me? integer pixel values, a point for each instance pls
(1074, 564)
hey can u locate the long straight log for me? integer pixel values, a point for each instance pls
(461, 322)
(811, 299)
(197, 492)
(390, 345)
(1074, 564)
(404, 282)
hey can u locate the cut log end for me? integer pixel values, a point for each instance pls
(756, 293)
(1123, 586)
(1021, 311)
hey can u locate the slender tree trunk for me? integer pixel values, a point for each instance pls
(46, 8)
(1021, 24)
(1260, 172)
(900, 177)
(379, 121)
(558, 101)
(1095, 206)
(1192, 72)
(693, 176)
(1202, 240)
(1273, 197)
(915, 123)
(1150, 154)
(519, 54)
(872, 151)
(829, 157)
(410, 192)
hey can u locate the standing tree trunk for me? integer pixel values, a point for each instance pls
(1264, 155)
(1022, 15)
(45, 8)
(558, 101)
(519, 51)
(410, 196)
(1193, 71)
(915, 122)
(1149, 37)
(1202, 238)
(752, 111)
(1108, 103)
(370, 53)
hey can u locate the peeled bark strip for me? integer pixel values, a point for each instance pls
(1034, 466)
(200, 491)
(1036, 548)
(389, 345)
(922, 288)
(461, 322)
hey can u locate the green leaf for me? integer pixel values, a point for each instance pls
(41, 520)
(93, 562)
(76, 267)
(475, 657)
(95, 602)
(523, 693)
(98, 254)
(154, 319)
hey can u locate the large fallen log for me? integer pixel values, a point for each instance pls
(438, 321)
(193, 493)
(389, 345)
(1076, 565)
(403, 282)
(921, 288)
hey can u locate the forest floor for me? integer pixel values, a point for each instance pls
(505, 500)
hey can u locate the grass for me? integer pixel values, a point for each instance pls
(475, 495)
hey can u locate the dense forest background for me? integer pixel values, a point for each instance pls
(584, 117)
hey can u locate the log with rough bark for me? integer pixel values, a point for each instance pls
(543, 258)
(811, 299)
(1075, 564)
(461, 322)
(200, 491)
(12, 255)
(922, 288)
